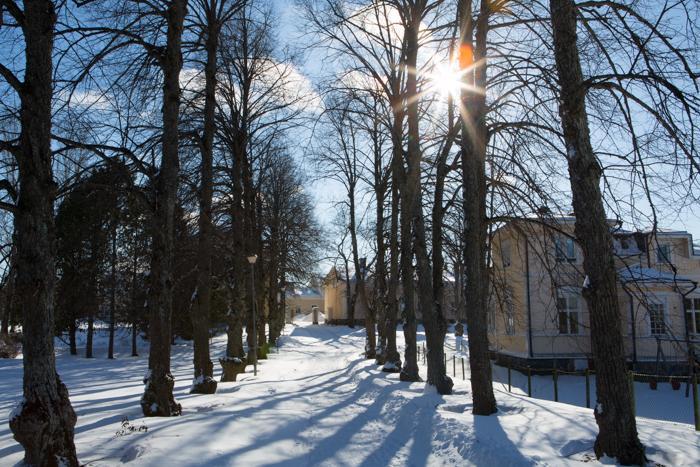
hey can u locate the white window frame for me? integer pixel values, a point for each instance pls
(567, 293)
(694, 312)
(564, 245)
(657, 300)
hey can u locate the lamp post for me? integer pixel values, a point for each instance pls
(252, 259)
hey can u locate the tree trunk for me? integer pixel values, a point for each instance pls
(474, 134)
(433, 322)
(72, 328)
(134, 333)
(44, 421)
(113, 294)
(381, 273)
(360, 291)
(204, 382)
(234, 344)
(393, 359)
(409, 372)
(614, 412)
(158, 397)
(349, 294)
(90, 334)
(134, 307)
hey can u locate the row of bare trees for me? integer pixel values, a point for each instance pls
(453, 118)
(192, 102)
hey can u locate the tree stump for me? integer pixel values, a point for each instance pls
(232, 367)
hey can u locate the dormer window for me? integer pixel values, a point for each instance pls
(565, 249)
(663, 253)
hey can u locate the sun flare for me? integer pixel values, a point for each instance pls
(446, 80)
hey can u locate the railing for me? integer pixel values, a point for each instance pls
(691, 381)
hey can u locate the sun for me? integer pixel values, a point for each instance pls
(446, 80)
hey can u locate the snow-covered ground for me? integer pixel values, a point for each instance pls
(318, 402)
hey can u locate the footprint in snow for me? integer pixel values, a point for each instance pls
(133, 452)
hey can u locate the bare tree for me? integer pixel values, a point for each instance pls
(210, 16)
(614, 411)
(43, 422)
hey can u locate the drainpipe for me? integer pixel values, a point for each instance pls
(527, 294)
(634, 328)
(690, 348)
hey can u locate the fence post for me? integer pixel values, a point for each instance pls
(634, 402)
(529, 382)
(556, 386)
(696, 403)
(463, 377)
(454, 366)
(588, 389)
(509, 377)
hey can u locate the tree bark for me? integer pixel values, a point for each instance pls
(158, 397)
(72, 328)
(113, 293)
(381, 270)
(473, 143)
(44, 421)
(393, 359)
(410, 199)
(134, 308)
(614, 412)
(433, 321)
(204, 382)
(90, 334)
(360, 290)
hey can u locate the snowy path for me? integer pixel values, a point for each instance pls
(318, 402)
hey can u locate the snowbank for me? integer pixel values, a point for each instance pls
(318, 402)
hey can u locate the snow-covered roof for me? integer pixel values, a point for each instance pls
(640, 274)
(306, 292)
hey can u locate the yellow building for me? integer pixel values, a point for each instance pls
(335, 292)
(301, 300)
(335, 304)
(538, 317)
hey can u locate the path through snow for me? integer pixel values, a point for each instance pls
(318, 402)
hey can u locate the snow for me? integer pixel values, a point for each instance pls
(309, 317)
(390, 366)
(319, 403)
(586, 282)
(637, 273)
(17, 410)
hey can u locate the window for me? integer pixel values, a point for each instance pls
(505, 253)
(567, 309)
(657, 326)
(663, 253)
(510, 312)
(692, 315)
(565, 249)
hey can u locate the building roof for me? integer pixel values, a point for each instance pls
(650, 275)
(304, 292)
